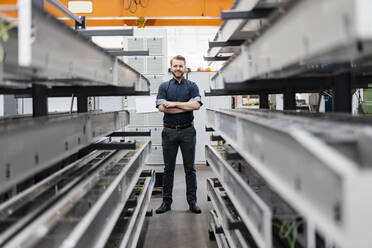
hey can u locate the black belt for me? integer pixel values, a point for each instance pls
(178, 127)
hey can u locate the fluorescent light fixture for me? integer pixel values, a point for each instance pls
(84, 7)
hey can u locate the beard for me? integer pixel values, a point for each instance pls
(178, 74)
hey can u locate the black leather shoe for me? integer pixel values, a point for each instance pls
(195, 208)
(165, 206)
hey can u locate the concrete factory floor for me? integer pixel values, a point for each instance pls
(180, 228)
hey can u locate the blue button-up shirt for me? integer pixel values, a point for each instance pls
(178, 92)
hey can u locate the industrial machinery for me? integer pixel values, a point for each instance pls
(290, 178)
(68, 179)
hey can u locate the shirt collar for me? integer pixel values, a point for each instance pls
(176, 82)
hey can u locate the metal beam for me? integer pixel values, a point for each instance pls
(107, 32)
(230, 224)
(130, 134)
(60, 7)
(257, 13)
(66, 91)
(217, 58)
(327, 174)
(278, 85)
(110, 198)
(78, 60)
(113, 146)
(49, 139)
(252, 210)
(225, 43)
(121, 52)
(325, 47)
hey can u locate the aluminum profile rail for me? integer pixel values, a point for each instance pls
(43, 48)
(88, 212)
(229, 222)
(44, 141)
(320, 166)
(297, 41)
(252, 210)
(231, 29)
(242, 29)
(131, 236)
(17, 212)
(215, 225)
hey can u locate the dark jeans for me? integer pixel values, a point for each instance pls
(186, 140)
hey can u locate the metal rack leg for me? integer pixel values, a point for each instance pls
(264, 101)
(289, 99)
(82, 104)
(39, 100)
(343, 96)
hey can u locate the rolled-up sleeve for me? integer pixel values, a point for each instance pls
(195, 94)
(161, 97)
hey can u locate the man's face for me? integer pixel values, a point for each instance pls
(178, 68)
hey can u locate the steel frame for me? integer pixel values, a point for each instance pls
(325, 175)
(133, 232)
(216, 229)
(252, 210)
(96, 225)
(41, 142)
(242, 29)
(230, 227)
(336, 42)
(69, 56)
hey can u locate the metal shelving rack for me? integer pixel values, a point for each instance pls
(315, 165)
(65, 181)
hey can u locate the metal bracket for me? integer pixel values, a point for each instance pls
(257, 13)
(209, 129)
(60, 7)
(121, 52)
(308, 84)
(129, 134)
(231, 154)
(67, 91)
(217, 58)
(80, 25)
(113, 146)
(216, 138)
(225, 43)
(107, 32)
(150, 213)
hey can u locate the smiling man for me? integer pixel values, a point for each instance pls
(178, 98)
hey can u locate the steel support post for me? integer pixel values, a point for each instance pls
(82, 103)
(39, 100)
(342, 93)
(289, 98)
(264, 101)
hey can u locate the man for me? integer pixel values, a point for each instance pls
(177, 98)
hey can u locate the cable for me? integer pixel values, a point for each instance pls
(144, 6)
(130, 6)
(285, 233)
(135, 3)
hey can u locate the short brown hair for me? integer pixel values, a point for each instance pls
(178, 57)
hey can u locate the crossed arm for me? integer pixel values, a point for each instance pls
(179, 107)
